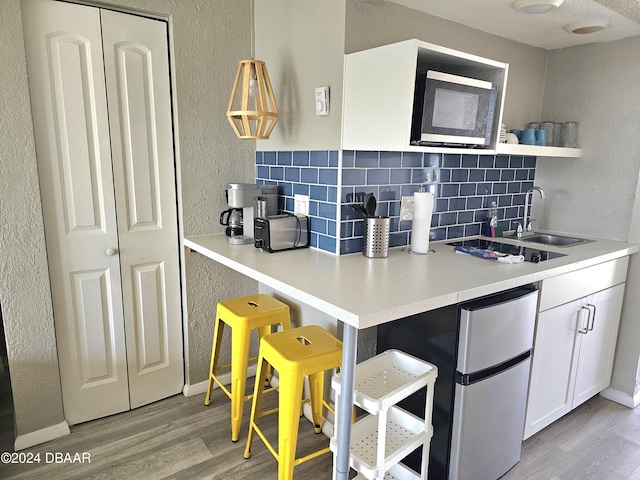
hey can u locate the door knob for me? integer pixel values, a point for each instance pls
(111, 252)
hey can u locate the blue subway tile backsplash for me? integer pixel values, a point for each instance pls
(464, 186)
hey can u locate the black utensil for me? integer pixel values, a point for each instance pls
(370, 205)
(360, 210)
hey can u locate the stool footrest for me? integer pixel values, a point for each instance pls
(311, 456)
(245, 397)
(266, 442)
(273, 451)
(221, 385)
(227, 366)
(264, 413)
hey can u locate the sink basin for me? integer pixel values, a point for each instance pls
(555, 240)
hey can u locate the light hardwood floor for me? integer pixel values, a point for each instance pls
(180, 438)
(600, 440)
(177, 438)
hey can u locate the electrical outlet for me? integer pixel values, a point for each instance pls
(406, 208)
(301, 204)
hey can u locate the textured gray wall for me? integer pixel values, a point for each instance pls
(596, 85)
(302, 42)
(24, 276)
(598, 194)
(209, 38)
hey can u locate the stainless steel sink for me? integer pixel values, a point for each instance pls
(555, 240)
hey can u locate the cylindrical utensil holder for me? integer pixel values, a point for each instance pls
(376, 237)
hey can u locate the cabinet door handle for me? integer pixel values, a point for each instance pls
(585, 330)
(592, 314)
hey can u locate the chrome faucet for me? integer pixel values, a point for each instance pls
(528, 198)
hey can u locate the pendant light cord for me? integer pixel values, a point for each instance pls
(253, 27)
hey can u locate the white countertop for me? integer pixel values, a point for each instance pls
(364, 292)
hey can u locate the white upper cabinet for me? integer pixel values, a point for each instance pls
(380, 90)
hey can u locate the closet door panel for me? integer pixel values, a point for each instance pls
(139, 98)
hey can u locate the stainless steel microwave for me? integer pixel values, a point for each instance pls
(452, 110)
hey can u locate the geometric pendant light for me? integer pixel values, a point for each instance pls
(252, 111)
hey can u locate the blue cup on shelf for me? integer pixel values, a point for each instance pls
(541, 138)
(517, 133)
(529, 136)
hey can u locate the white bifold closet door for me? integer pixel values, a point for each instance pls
(101, 105)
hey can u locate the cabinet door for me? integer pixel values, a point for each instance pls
(597, 345)
(555, 357)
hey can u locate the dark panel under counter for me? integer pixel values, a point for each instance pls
(433, 337)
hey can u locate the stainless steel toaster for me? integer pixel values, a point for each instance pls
(281, 232)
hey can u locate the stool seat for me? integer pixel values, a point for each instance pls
(259, 312)
(254, 310)
(302, 349)
(297, 353)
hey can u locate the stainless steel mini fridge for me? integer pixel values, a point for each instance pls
(482, 350)
(492, 377)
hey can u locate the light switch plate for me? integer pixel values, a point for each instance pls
(322, 100)
(406, 208)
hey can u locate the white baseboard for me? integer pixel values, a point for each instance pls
(631, 401)
(327, 425)
(41, 436)
(200, 388)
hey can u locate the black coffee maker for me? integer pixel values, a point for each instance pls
(232, 219)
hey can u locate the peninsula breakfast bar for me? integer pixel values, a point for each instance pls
(363, 292)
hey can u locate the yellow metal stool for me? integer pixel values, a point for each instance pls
(255, 312)
(295, 354)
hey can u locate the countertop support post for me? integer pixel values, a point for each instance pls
(345, 407)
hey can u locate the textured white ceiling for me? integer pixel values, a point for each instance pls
(542, 30)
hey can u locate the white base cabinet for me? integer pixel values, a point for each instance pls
(574, 345)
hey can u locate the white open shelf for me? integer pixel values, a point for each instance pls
(397, 472)
(388, 433)
(386, 379)
(404, 433)
(535, 151)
